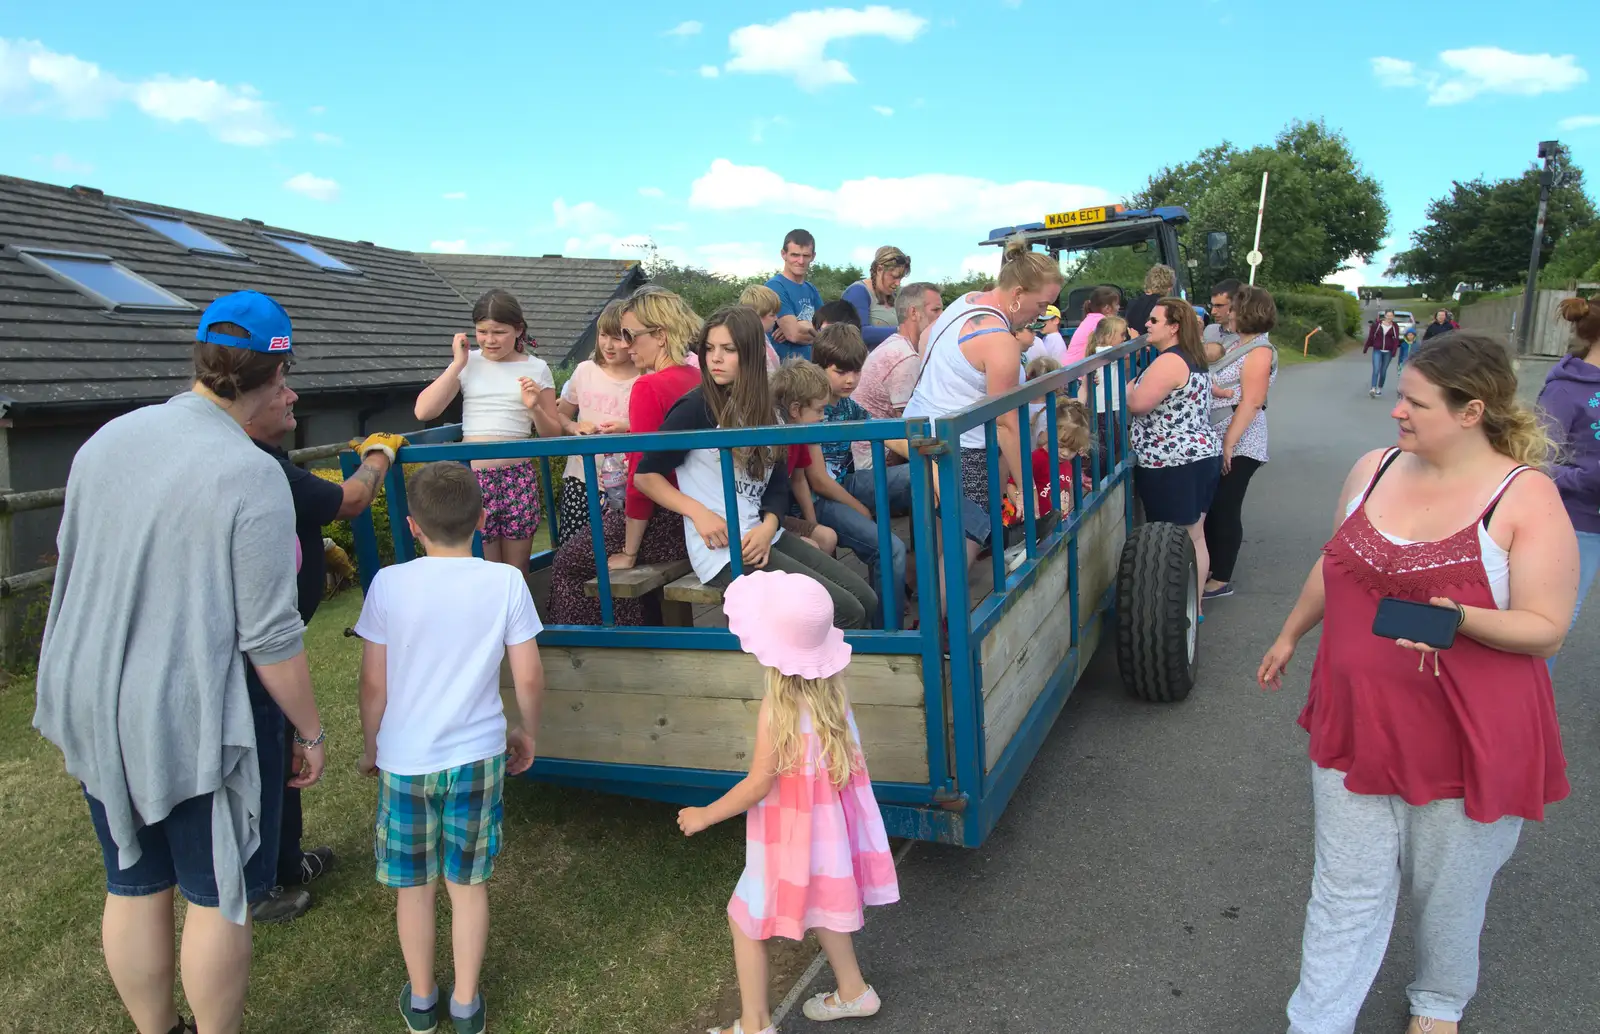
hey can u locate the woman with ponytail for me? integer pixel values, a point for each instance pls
(1425, 762)
(1571, 405)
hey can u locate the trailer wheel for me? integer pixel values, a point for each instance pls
(1158, 585)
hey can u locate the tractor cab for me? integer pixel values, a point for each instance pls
(1110, 245)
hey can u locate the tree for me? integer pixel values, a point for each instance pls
(1482, 231)
(1322, 209)
(1575, 257)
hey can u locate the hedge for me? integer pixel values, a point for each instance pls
(1349, 304)
(1298, 313)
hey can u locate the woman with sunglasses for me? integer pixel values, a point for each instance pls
(657, 327)
(873, 295)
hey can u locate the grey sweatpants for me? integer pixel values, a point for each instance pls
(1365, 847)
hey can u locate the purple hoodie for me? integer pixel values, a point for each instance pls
(1571, 404)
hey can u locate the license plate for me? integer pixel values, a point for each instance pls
(1082, 217)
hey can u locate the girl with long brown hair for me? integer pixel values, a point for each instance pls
(1424, 768)
(733, 393)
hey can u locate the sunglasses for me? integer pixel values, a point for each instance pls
(630, 336)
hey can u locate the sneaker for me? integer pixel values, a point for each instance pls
(184, 1027)
(818, 1007)
(1015, 557)
(1225, 589)
(469, 1024)
(281, 905)
(418, 1021)
(314, 863)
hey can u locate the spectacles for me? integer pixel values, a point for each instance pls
(631, 336)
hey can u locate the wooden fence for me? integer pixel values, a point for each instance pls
(15, 584)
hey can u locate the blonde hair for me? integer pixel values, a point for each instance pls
(1072, 427)
(1466, 366)
(838, 752)
(798, 382)
(661, 310)
(1159, 280)
(1021, 266)
(1038, 366)
(761, 298)
(1110, 332)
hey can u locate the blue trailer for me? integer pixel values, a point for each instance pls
(667, 711)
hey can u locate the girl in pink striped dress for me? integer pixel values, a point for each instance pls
(815, 849)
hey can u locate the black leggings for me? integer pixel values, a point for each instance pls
(1224, 521)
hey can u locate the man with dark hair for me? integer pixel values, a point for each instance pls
(1219, 335)
(316, 503)
(799, 299)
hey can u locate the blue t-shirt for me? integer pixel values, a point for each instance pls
(798, 300)
(836, 455)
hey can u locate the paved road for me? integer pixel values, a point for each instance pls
(1152, 871)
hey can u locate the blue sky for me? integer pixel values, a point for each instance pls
(709, 129)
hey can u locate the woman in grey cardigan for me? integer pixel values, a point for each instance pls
(176, 570)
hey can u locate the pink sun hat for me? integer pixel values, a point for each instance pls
(786, 621)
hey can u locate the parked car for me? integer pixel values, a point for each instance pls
(1403, 319)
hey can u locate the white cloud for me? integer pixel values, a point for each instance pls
(737, 258)
(652, 192)
(36, 80)
(758, 128)
(883, 110)
(924, 200)
(983, 263)
(449, 247)
(318, 109)
(583, 217)
(1471, 71)
(637, 246)
(689, 28)
(862, 255)
(64, 163)
(794, 45)
(314, 187)
(1580, 122)
(709, 71)
(1391, 71)
(328, 138)
(456, 195)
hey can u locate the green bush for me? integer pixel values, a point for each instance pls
(1349, 304)
(1298, 313)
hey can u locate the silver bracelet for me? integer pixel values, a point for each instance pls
(322, 734)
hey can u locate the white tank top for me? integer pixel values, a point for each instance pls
(948, 382)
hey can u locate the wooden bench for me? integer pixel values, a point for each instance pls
(691, 591)
(646, 583)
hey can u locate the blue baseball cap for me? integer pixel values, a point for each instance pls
(261, 318)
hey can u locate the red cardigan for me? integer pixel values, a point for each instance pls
(653, 394)
(1382, 340)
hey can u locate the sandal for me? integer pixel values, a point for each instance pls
(818, 1007)
(737, 1029)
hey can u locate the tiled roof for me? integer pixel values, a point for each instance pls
(561, 297)
(389, 327)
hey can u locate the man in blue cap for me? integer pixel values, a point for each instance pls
(316, 503)
(175, 578)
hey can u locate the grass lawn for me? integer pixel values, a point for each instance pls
(605, 918)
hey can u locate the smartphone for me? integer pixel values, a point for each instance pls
(1418, 622)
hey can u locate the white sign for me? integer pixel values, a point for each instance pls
(1254, 258)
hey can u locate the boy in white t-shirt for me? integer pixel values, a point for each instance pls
(436, 630)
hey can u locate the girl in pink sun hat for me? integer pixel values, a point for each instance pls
(815, 849)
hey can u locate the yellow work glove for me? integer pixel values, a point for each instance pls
(388, 444)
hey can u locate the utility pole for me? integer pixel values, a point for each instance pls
(1254, 258)
(1547, 181)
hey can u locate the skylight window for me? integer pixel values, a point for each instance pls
(184, 235)
(311, 253)
(110, 283)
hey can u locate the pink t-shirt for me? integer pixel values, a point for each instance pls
(599, 398)
(888, 378)
(1080, 337)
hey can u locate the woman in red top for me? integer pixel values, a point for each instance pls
(1424, 767)
(657, 326)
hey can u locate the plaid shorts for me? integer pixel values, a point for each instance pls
(446, 820)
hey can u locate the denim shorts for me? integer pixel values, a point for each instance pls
(176, 851)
